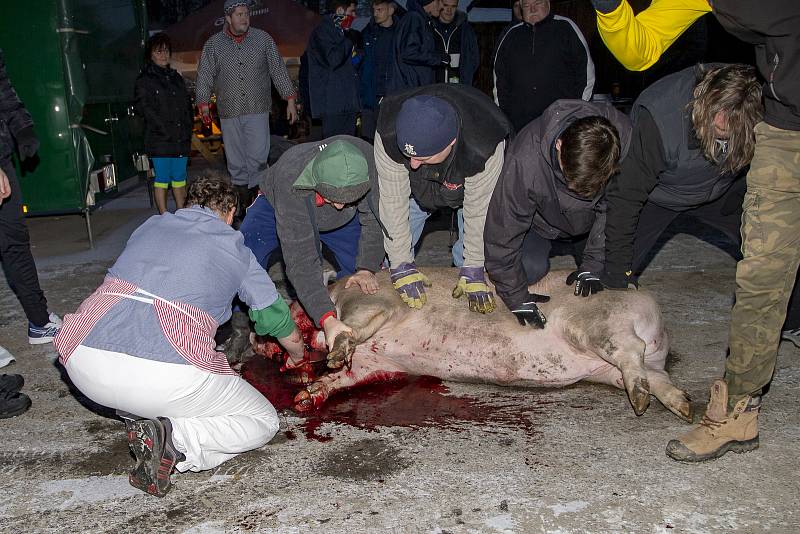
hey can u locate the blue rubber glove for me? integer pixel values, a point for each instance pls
(472, 283)
(410, 284)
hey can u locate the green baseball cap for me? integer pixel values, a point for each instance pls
(338, 173)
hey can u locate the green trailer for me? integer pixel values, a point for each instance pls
(73, 64)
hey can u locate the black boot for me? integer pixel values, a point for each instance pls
(13, 403)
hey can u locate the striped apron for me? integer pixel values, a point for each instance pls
(189, 330)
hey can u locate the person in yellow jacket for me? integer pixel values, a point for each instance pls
(771, 211)
(637, 41)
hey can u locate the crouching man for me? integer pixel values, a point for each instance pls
(551, 188)
(319, 193)
(143, 342)
(438, 146)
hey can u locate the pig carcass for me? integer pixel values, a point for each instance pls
(612, 337)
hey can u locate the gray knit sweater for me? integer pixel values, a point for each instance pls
(239, 73)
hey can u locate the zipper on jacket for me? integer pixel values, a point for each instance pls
(775, 61)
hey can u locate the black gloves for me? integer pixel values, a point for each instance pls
(528, 313)
(586, 283)
(27, 143)
(617, 281)
(606, 6)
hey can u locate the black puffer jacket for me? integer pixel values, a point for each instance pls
(162, 99)
(13, 115)
(332, 78)
(531, 195)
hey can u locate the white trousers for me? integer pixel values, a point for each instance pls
(214, 417)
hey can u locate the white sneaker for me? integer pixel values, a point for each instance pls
(39, 335)
(5, 357)
(55, 319)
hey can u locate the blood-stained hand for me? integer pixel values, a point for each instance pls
(333, 327)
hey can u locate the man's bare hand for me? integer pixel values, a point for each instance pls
(5, 187)
(333, 327)
(367, 281)
(291, 111)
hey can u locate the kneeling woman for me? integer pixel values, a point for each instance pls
(143, 342)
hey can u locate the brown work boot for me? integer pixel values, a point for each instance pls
(719, 432)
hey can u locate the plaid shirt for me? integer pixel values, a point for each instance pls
(239, 73)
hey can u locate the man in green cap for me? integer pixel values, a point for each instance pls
(319, 193)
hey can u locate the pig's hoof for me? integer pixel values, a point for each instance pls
(343, 348)
(683, 409)
(310, 398)
(640, 395)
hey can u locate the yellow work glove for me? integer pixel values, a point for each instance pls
(410, 284)
(472, 284)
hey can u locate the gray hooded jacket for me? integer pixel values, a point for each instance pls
(531, 195)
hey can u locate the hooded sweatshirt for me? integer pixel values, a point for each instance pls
(532, 195)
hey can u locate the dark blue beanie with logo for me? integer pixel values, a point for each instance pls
(425, 126)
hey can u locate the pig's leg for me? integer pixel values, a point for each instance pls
(364, 314)
(661, 386)
(368, 368)
(626, 352)
(674, 399)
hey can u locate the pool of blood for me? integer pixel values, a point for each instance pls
(405, 401)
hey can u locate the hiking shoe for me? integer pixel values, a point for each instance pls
(39, 335)
(169, 447)
(146, 442)
(13, 403)
(792, 336)
(11, 383)
(150, 440)
(719, 432)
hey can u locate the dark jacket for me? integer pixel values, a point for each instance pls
(665, 166)
(13, 116)
(531, 195)
(378, 62)
(773, 26)
(332, 78)
(482, 127)
(458, 37)
(535, 65)
(298, 228)
(414, 50)
(162, 99)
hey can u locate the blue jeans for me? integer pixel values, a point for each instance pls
(417, 217)
(261, 237)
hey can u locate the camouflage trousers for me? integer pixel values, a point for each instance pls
(771, 255)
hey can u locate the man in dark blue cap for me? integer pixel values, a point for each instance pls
(439, 146)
